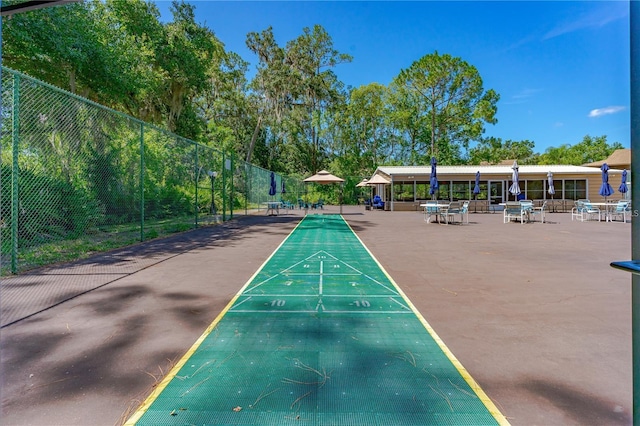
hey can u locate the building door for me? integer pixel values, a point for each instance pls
(496, 192)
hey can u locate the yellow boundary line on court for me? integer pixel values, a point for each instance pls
(488, 403)
(176, 368)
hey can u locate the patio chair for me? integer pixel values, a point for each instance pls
(431, 209)
(577, 212)
(378, 203)
(527, 208)
(513, 210)
(539, 211)
(464, 211)
(589, 211)
(623, 207)
(450, 211)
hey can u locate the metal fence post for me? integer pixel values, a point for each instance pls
(142, 181)
(14, 174)
(231, 189)
(197, 182)
(224, 190)
(247, 187)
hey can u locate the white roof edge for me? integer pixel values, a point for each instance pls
(492, 170)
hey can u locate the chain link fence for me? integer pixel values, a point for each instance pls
(78, 178)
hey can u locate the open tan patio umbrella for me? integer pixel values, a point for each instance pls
(323, 177)
(377, 180)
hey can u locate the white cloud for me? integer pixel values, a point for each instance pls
(599, 112)
(595, 18)
(522, 96)
(525, 93)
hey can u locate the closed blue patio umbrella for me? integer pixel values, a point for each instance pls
(433, 181)
(515, 186)
(605, 188)
(476, 190)
(272, 185)
(623, 185)
(551, 190)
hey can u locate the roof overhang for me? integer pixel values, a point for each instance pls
(29, 5)
(495, 171)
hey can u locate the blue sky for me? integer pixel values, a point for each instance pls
(561, 67)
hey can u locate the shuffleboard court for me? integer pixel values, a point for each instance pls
(320, 335)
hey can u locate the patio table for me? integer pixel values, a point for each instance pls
(437, 207)
(273, 208)
(609, 207)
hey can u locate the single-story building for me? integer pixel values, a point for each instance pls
(406, 187)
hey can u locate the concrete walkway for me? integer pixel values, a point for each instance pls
(533, 312)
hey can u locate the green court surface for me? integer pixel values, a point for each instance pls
(320, 335)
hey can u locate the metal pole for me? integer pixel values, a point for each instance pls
(14, 174)
(231, 188)
(634, 21)
(224, 188)
(141, 181)
(197, 179)
(213, 195)
(247, 187)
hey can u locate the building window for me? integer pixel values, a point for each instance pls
(403, 191)
(422, 191)
(484, 191)
(443, 191)
(460, 191)
(535, 189)
(574, 189)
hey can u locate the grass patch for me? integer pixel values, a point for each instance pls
(98, 240)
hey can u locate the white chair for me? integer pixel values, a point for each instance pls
(464, 211)
(588, 211)
(450, 211)
(513, 210)
(527, 208)
(578, 210)
(623, 207)
(431, 209)
(539, 211)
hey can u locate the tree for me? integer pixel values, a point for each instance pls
(493, 150)
(448, 99)
(588, 151)
(407, 119)
(316, 88)
(360, 139)
(295, 88)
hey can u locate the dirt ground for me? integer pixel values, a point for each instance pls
(534, 312)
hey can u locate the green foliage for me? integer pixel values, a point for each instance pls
(49, 209)
(494, 150)
(446, 99)
(591, 149)
(296, 91)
